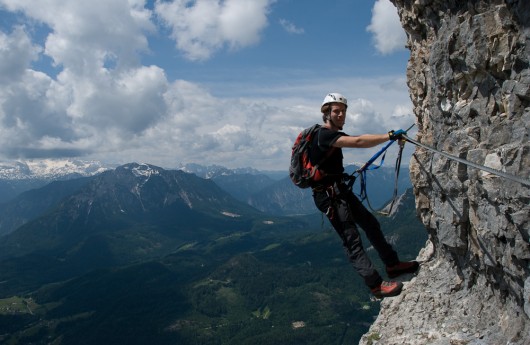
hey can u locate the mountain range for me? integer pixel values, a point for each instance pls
(141, 254)
(20, 176)
(268, 191)
(165, 209)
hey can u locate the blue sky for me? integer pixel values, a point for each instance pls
(208, 81)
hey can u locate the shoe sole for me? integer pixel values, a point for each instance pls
(390, 294)
(413, 269)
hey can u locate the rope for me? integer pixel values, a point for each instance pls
(471, 164)
(374, 157)
(396, 178)
(361, 172)
(363, 195)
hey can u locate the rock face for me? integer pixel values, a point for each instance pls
(469, 81)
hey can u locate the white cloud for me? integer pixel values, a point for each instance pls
(130, 101)
(16, 54)
(202, 27)
(85, 33)
(290, 27)
(28, 112)
(102, 103)
(389, 35)
(100, 89)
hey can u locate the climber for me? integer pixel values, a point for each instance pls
(343, 209)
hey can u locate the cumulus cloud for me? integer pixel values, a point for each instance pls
(28, 112)
(101, 102)
(84, 34)
(201, 128)
(388, 34)
(205, 129)
(130, 101)
(100, 89)
(16, 54)
(200, 28)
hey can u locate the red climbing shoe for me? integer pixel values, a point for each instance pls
(402, 268)
(387, 289)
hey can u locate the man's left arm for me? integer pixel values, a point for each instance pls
(361, 141)
(368, 140)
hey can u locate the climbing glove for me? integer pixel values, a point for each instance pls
(394, 135)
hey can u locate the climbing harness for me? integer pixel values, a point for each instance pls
(471, 164)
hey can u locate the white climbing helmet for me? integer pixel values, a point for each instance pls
(334, 98)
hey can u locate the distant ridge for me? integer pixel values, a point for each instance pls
(50, 169)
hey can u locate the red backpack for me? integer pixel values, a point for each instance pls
(302, 172)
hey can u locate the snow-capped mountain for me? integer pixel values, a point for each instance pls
(131, 193)
(212, 171)
(53, 169)
(50, 169)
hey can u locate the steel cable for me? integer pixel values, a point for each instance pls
(471, 164)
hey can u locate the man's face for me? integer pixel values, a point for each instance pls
(338, 115)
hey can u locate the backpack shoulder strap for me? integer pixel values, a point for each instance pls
(328, 153)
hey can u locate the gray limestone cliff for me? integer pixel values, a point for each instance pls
(469, 81)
